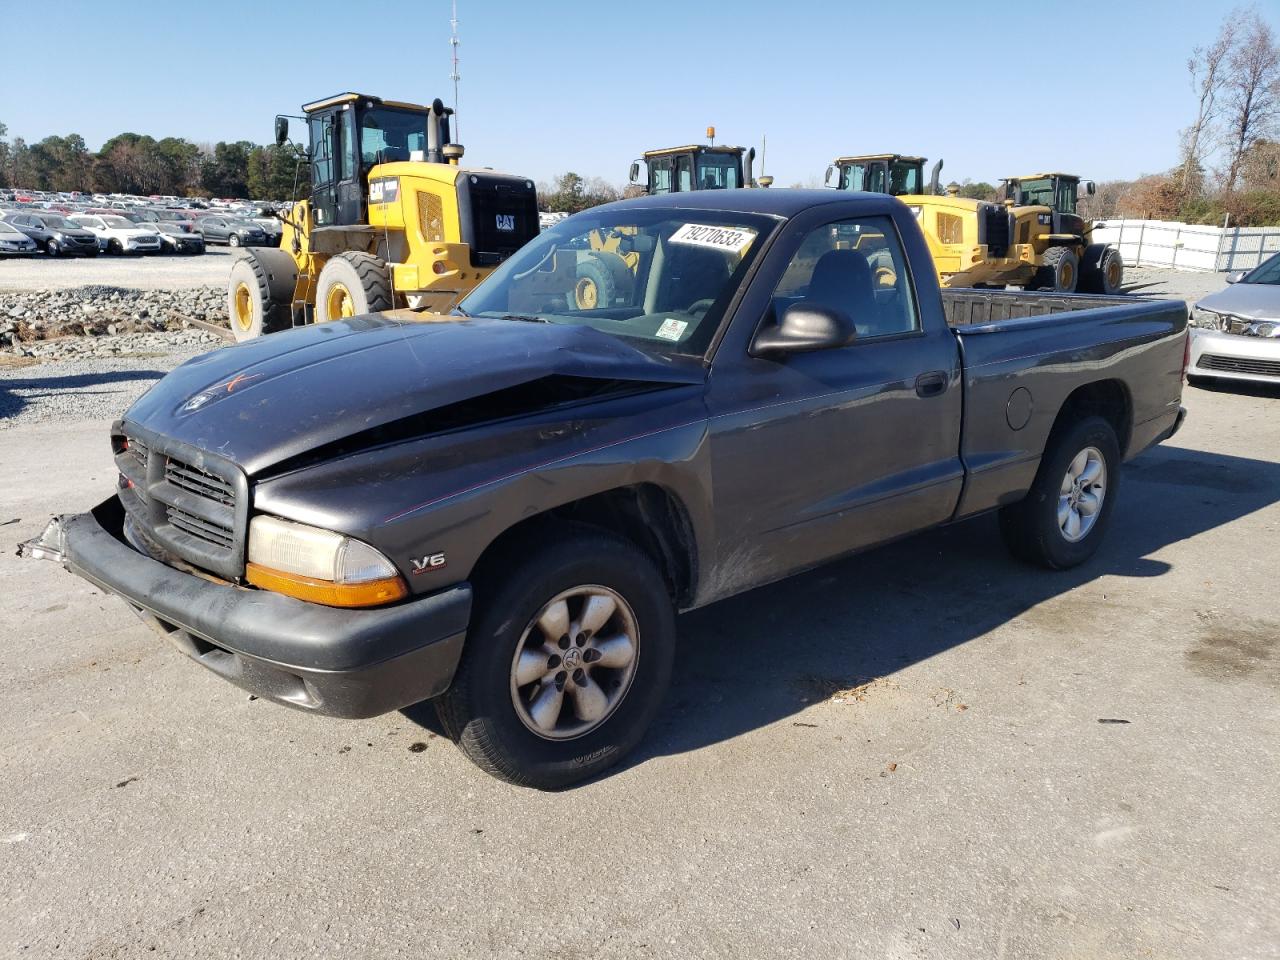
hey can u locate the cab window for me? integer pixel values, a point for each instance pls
(856, 266)
(321, 154)
(684, 173)
(660, 175)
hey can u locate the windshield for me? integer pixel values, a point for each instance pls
(169, 228)
(118, 223)
(662, 278)
(168, 215)
(1266, 272)
(1038, 192)
(9, 228)
(880, 176)
(399, 132)
(718, 171)
(59, 223)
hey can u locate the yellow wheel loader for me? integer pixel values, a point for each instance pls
(608, 269)
(392, 219)
(1034, 239)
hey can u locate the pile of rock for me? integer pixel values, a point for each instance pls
(98, 311)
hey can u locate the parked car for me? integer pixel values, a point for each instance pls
(118, 235)
(236, 233)
(504, 509)
(56, 235)
(15, 243)
(1235, 332)
(174, 239)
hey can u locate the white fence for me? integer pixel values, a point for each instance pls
(1188, 246)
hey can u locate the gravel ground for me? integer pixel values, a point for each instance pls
(136, 273)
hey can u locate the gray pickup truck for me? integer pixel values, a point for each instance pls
(654, 405)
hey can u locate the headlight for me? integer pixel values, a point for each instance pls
(1263, 328)
(1205, 319)
(319, 565)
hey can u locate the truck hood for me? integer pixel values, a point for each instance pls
(275, 398)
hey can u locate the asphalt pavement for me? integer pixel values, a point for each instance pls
(927, 751)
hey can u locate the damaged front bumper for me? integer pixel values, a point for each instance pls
(338, 662)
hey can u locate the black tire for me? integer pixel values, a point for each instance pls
(1059, 272)
(478, 711)
(595, 287)
(260, 293)
(1030, 527)
(114, 248)
(52, 249)
(362, 276)
(233, 240)
(1101, 270)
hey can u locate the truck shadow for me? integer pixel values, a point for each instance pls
(761, 657)
(17, 394)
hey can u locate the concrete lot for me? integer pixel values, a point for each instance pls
(134, 273)
(1042, 766)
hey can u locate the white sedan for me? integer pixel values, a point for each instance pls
(118, 235)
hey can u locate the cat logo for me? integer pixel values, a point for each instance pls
(427, 564)
(506, 222)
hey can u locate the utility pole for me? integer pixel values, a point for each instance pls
(455, 76)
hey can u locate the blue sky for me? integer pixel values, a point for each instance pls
(1100, 89)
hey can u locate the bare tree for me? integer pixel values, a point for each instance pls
(1252, 91)
(1207, 68)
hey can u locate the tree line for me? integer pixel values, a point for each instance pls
(137, 164)
(1229, 168)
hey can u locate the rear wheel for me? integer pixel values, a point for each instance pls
(567, 661)
(1063, 518)
(1060, 271)
(352, 284)
(259, 294)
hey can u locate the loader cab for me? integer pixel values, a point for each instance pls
(351, 132)
(890, 173)
(694, 167)
(1060, 192)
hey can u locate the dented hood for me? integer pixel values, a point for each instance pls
(277, 397)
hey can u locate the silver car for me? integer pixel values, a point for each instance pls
(1235, 333)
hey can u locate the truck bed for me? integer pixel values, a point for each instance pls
(1025, 355)
(966, 308)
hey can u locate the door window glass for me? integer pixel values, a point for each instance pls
(856, 266)
(684, 173)
(321, 154)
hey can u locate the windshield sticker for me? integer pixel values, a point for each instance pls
(672, 329)
(727, 239)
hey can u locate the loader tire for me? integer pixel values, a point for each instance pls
(1059, 272)
(1101, 269)
(352, 284)
(260, 293)
(595, 287)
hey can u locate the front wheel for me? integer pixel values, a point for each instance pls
(233, 241)
(567, 662)
(53, 249)
(1063, 518)
(1059, 272)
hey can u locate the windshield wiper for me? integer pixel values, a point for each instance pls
(524, 318)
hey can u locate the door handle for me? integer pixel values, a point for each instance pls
(931, 384)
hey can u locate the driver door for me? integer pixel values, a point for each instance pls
(818, 454)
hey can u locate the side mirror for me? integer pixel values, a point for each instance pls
(635, 172)
(1090, 188)
(805, 328)
(282, 130)
(1237, 276)
(831, 168)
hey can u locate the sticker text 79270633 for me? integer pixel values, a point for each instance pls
(725, 239)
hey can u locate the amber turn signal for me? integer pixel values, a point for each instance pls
(371, 593)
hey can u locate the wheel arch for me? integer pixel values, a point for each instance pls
(649, 515)
(1109, 399)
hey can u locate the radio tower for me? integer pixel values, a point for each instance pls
(455, 76)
